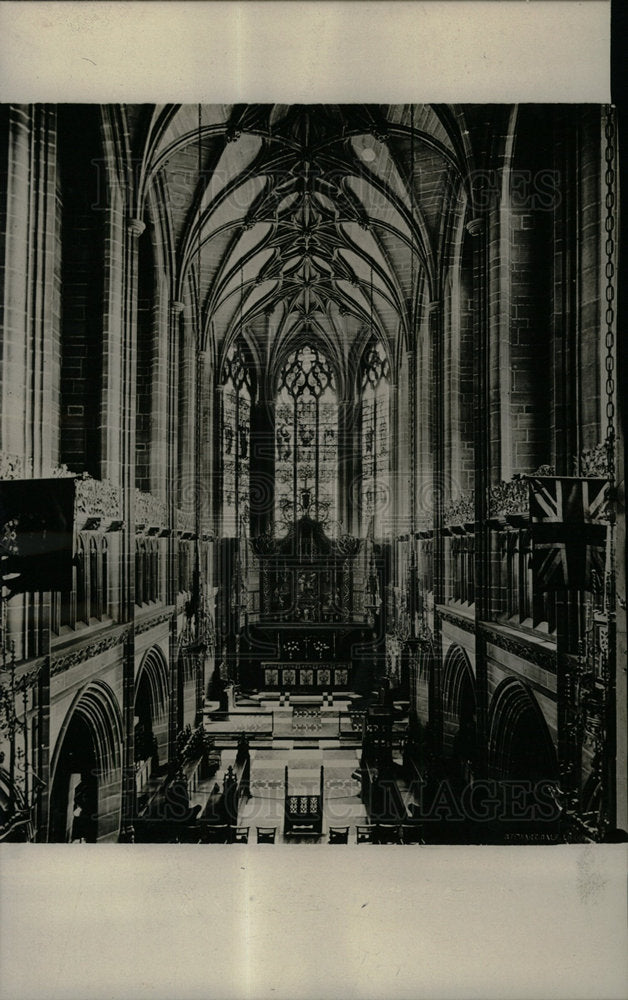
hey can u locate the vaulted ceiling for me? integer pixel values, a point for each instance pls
(320, 221)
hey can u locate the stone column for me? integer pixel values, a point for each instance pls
(262, 465)
(160, 409)
(413, 486)
(187, 421)
(200, 379)
(482, 459)
(29, 412)
(172, 587)
(436, 333)
(221, 561)
(348, 489)
(394, 471)
(135, 228)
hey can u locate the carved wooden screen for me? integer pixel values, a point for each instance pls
(307, 577)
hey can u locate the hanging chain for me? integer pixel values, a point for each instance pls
(414, 339)
(609, 130)
(608, 659)
(610, 294)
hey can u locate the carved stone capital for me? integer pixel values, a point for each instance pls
(475, 226)
(177, 307)
(136, 227)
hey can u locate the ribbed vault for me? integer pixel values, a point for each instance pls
(330, 222)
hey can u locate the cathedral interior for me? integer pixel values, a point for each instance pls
(311, 460)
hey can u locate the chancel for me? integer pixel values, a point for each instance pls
(312, 502)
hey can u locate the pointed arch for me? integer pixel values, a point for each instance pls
(519, 741)
(86, 768)
(98, 707)
(153, 670)
(459, 701)
(457, 675)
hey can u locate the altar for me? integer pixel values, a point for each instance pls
(307, 676)
(308, 619)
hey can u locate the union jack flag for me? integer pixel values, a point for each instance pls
(568, 532)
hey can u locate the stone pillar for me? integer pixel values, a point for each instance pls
(413, 486)
(436, 333)
(349, 466)
(135, 228)
(412, 387)
(262, 465)
(200, 426)
(29, 394)
(394, 470)
(113, 337)
(217, 456)
(172, 586)
(221, 563)
(482, 458)
(187, 419)
(206, 443)
(160, 477)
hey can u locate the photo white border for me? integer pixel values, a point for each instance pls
(307, 51)
(98, 923)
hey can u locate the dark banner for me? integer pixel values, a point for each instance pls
(568, 518)
(37, 534)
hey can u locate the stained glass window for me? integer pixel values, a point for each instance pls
(306, 438)
(375, 436)
(236, 429)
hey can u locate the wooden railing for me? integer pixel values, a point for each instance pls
(521, 605)
(239, 721)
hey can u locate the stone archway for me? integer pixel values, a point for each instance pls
(86, 789)
(459, 708)
(523, 762)
(151, 709)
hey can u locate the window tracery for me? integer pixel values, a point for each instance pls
(306, 438)
(375, 389)
(236, 425)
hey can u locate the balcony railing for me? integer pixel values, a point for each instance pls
(508, 504)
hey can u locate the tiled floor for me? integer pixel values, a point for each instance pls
(341, 803)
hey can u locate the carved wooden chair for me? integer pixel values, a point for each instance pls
(338, 835)
(266, 834)
(215, 833)
(412, 833)
(387, 833)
